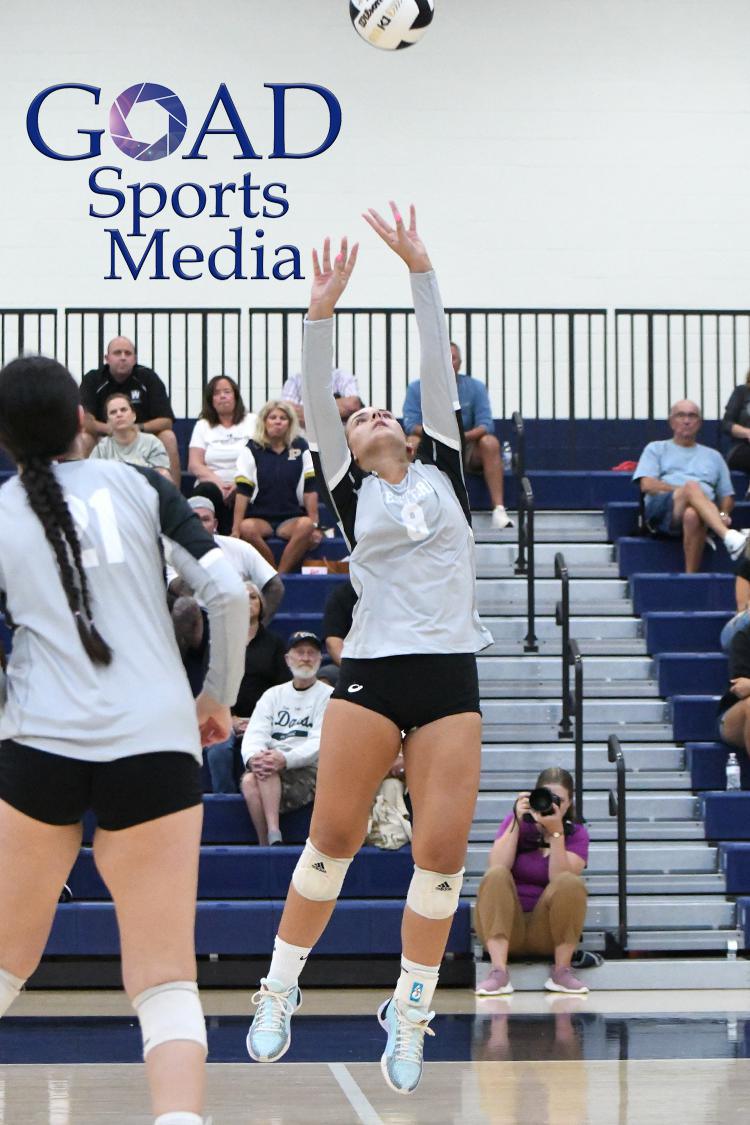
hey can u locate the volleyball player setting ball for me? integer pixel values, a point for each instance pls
(408, 662)
(100, 716)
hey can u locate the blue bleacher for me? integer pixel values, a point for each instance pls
(683, 631)
(686, 673)
(644, 555)
(694, 718)
(734, 862)
(684, 592)
(707, 762)
(727, 815)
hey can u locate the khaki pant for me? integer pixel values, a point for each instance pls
(557, 918)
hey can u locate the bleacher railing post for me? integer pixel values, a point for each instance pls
(617, 807)
(530, 641)
(577, 661)
(562, 617)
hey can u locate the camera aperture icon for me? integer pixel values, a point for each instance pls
(163, 110)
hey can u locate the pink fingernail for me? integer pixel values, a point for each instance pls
(398, 217)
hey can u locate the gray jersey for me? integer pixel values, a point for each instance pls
(412, 547)
(57, 700)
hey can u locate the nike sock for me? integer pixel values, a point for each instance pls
(287, 962)
(10, 986)
(417, 983)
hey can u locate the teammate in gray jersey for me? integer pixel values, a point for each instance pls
(99, 714)
(408, 662)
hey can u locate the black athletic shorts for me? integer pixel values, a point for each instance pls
(411, 690)
(121, 794)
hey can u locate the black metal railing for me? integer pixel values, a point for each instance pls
(525, 563)
(662, 355)
(519, 453)
(27, 331)
(185, 347)
(617, 807)
(562, 617)
(576, 660)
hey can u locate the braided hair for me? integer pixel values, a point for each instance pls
(39, 420)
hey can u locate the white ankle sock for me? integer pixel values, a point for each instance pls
(287, 962)
(179, 1118)
(417, 983)
(10, 986)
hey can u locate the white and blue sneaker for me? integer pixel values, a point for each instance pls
(270, 1035)
(401, 1061)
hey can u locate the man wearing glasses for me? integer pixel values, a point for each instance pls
(687, 488)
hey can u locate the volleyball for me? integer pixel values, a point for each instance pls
(391, 24)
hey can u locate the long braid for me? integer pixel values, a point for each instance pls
(48, 504)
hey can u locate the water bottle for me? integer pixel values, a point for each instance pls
(507, 457)
(733, 772)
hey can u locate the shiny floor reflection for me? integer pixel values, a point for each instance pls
(488, 1036)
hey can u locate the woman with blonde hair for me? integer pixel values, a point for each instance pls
(276, 492)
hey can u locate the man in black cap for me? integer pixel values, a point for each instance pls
(148, 396)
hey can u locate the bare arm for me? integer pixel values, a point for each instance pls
(726, 504)
(561, 860)
(334, 646)
(198, 467)
(273, 593)
(240, 508)
(504, 849)
(156, 425)
(652, 485)
(310, 502)
(475, 433)
(740, 432)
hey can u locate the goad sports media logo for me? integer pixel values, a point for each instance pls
(141, 95)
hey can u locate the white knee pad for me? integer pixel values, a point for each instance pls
(317, 876)
(170, 1011)
(434, 895)
(10, 986)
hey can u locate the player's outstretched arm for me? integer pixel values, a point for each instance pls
(404, 241)
(330, 279)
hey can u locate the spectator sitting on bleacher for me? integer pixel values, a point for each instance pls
(734, 705)
(147, 394)
(126, 442)
(281, 743)
(345, 391)
(687, 488)
(276, 493)
(249, 563)
(265, 667)
(532, 899)
(481, 449)
(222, 431)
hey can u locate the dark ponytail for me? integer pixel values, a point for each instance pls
(39, 403)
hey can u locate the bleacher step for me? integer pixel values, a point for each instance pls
(682, 831)
(515, 732)
(656, 884)
(680, 857)
(527, 760)
(504, 782)
(698, 973)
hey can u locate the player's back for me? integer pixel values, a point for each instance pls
(57, 699)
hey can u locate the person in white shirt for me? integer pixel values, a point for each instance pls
(345, 391)
(249, 563)
(281, 743)
(221, 432)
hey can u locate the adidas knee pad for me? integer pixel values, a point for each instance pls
(169, 1012)
(10, 986)
(317, 876)
(434, 895)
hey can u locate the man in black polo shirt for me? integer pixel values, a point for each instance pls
(153, 411)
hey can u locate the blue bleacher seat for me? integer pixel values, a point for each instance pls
(683, 631)
(694, 718)
(682, 592)
(707, 762)
(643, 555)
(734, 863)
(727, 815)
(687, 673)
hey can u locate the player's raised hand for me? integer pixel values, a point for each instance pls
(330, 279)
(403, 240)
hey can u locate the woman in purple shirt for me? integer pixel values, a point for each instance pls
(532, 899)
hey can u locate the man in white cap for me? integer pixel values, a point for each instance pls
(248, 562)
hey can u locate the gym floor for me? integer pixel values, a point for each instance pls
(625, 1058)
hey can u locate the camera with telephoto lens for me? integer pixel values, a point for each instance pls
(542, 801)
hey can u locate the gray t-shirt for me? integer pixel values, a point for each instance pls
(412, 559)
(57, 700)
(146, 450)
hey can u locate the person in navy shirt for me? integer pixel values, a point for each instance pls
(482, 449)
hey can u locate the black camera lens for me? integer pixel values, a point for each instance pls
(543, 800)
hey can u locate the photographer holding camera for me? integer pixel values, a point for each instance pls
(532, 899)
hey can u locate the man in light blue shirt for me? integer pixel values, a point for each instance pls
(482, 452)
(687, 487)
